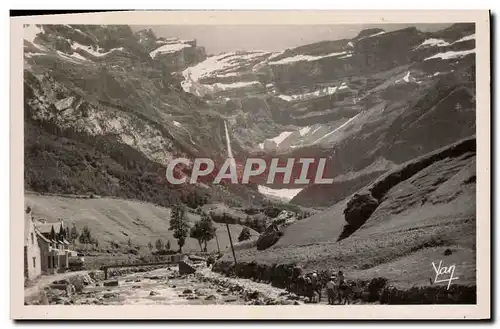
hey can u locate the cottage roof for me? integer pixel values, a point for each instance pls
(47, 227)
(41, 236)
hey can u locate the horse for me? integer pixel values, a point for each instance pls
(344, 293)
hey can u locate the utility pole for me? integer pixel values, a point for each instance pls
(217, 240)
(231, 242)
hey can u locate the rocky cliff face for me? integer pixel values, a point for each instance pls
(174, 53)
(110, 93)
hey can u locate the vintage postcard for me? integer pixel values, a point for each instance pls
(251, 165)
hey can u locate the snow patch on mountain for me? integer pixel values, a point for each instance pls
(337, 129)
(67, 57)
(466, 38)
(432, 42)
(309, 58)
(285, 194)
(29, 55)
(227, 75)
(372, 35)
(220, 66)
(313, 94)
(281, 137)
(93, 52)
(226, 86)
(451, 54)
(304, 131)
(407, 78)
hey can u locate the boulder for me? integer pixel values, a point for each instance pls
(185, 268)
(59, 286)
(111, 283)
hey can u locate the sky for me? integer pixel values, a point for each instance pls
(225, 38)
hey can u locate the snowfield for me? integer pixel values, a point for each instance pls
(91, 51)
(433, 43)
(451, 54)
(285, 194)
(220, 66)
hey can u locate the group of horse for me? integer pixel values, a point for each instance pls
(301, 286)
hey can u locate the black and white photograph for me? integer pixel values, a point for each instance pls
(330, 166)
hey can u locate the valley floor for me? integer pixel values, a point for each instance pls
(164, 286)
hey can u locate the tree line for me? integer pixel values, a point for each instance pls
(203, 231)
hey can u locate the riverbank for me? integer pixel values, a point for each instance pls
(153, 286)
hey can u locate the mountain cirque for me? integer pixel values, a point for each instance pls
(106, 109)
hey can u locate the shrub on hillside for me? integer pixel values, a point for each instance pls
(429, 295)
(244, 234)
(375, 288)
(358, 210)
(272, 211)
(268, 239)
(164, 252)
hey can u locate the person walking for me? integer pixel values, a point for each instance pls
(330, 290)
(316, 286)
(341, 286)
(309, 288)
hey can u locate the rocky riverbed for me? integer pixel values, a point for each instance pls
(165, 286)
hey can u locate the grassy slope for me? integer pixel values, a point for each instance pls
(118, 220)
(416, 220)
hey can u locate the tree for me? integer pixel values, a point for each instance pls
(62, 233)
(68, 234)
(150, 246)
(178, 224)
(82, 240)
(159, 244)
(52, 233)
(244, 235)
(208, 230)
(197, 233)
(180, 242)
(86, 237)
(203, 231)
